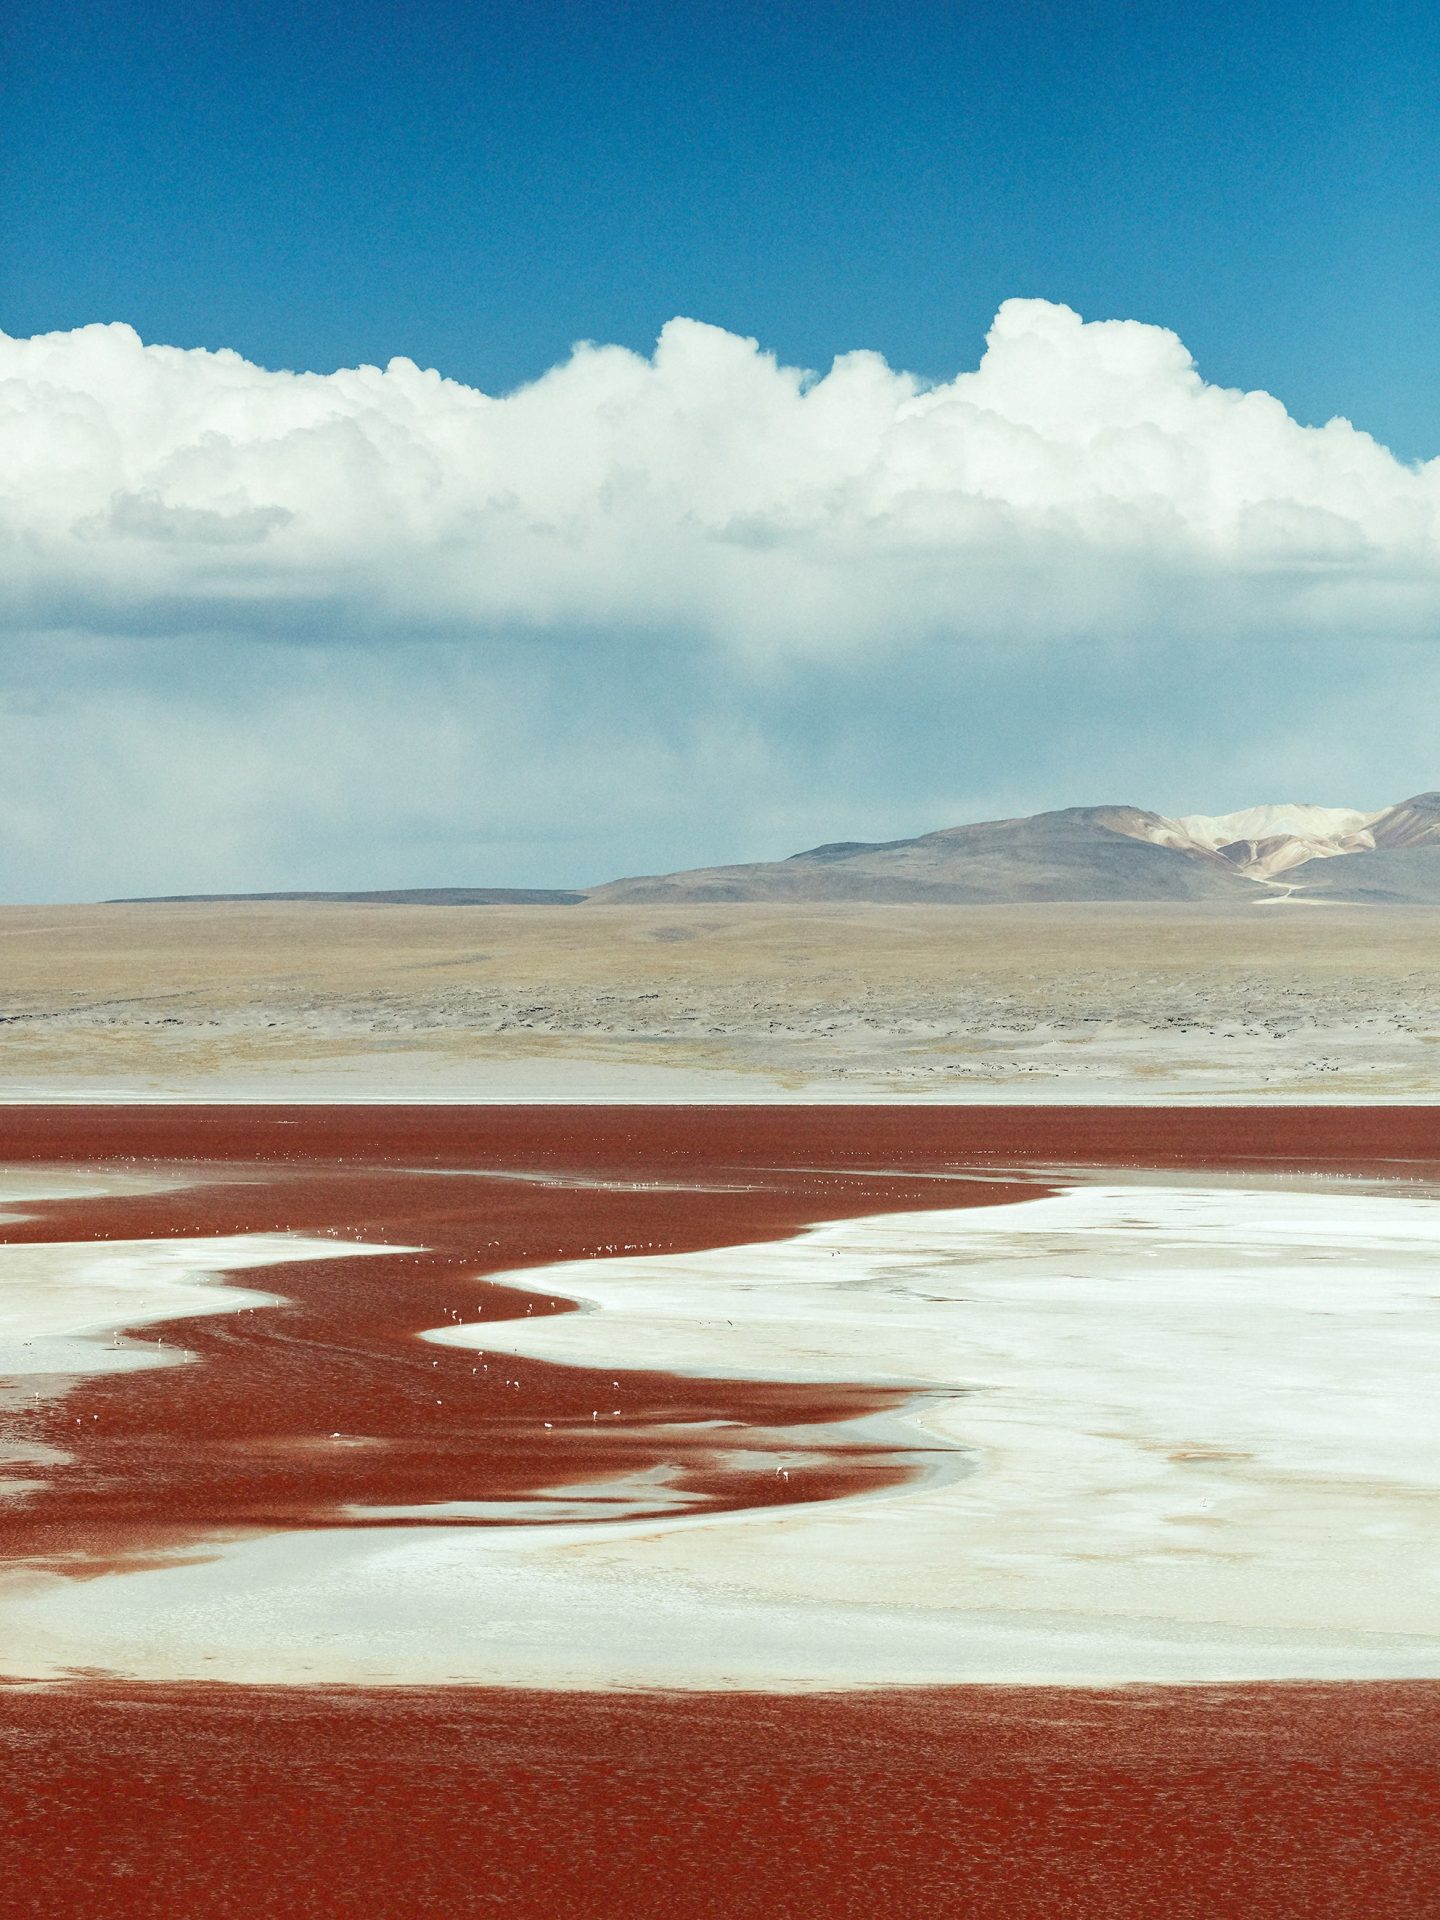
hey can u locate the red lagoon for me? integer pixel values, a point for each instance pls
(121, 1798)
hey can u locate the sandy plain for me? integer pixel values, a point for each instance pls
(733, 1003)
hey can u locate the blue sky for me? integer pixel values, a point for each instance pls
(477, 187)
(480, 185)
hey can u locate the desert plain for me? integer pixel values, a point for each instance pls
(1110, 1002)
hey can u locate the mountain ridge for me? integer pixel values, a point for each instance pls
(1118, 852)
(1267, 854)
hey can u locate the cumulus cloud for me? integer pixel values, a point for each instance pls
(704, 494)
(375, 628)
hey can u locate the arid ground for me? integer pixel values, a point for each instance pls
(1110, 1003)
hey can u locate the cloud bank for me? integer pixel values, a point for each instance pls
(378, 628)
(706, 493)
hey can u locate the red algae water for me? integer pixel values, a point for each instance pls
(126, 1798)
(300, 1413)
(1255, 1803)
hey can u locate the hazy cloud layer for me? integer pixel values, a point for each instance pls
(376, 628)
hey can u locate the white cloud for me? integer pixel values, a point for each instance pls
(1063, 488)
(375, 628)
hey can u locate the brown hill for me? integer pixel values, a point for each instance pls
(1078, 853)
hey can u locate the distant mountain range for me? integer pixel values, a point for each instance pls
(1265, 853)
(388, 897)
(1102, 853)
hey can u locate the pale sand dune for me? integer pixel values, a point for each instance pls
(1184, 1433)
(720, 1002)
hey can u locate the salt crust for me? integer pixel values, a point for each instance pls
(1185, 1434)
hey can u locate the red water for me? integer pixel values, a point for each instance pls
(246, 1439)
(1259, 1801)
(1256, 1803)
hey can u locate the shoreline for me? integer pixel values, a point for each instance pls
(129, 1099)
